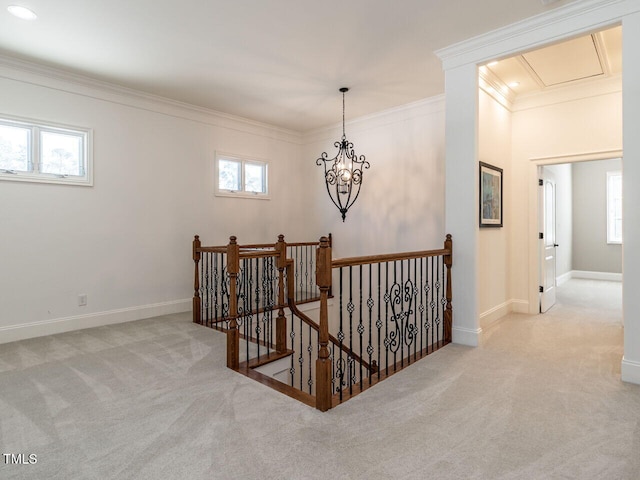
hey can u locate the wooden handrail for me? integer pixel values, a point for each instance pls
(258, 254)
(223, 248)
(213, 249)
(390, 257)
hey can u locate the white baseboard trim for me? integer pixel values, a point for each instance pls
(14, 333)
(630, 371)
(564, 278)
(495, 314)
(466, 336)
(612, 277)
(519, 306)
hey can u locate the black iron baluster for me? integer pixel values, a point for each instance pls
(225, 293)
(370, 304)
(387, 298)
(350, 308)
(340, 369)
(204, 287)
(248, 320)
(312, 277)
(273, 289)
(310, 350)
(216, 280)
(211, 314)
(415, 311)
(265, 302)
(333, 367)
(443, 302)
(360, 324)
(379, 319)
(292, 336)
(301, 358)
(305, 251)
(421, 307)
(299, 272)
(434, 282)
(268, 295)
(402, 317)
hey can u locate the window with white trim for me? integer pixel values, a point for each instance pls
(42, 152)
(240, 176)
(614, 207)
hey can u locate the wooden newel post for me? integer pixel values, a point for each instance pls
(323, 363)
(197, 301)
(281, 320)
(233, 337)
(448, 312)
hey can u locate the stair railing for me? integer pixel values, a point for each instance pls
(239, 288)
(211, 298)
(392, 310)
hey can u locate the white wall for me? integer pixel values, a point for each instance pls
(494, 147)
(126, 241)
(401, 204)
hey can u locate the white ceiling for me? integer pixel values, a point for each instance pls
(275, 61)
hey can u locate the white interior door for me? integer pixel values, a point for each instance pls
(548, 240)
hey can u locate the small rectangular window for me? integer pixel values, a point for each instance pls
(614, 207)
(36, 152)
(241, 177)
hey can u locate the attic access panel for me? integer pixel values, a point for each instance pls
(566, 62)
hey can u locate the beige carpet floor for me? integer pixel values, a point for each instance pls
(540, 399)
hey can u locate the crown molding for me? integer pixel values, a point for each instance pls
(563, 22)
(579, 90)
(12, 68)
(420, 108)
(496, 88)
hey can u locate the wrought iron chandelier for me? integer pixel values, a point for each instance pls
(343, 173)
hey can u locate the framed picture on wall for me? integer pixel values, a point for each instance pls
(490, 196)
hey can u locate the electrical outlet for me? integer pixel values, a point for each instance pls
(82, 300)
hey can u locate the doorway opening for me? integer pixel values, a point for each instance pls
(580, 251)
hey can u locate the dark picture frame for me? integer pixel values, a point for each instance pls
(490, 211)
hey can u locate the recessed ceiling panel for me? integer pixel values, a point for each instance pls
(565, 62)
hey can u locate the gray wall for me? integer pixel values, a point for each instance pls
(590, 249)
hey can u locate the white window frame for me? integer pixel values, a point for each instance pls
(34, 174)
(611, 217)
(243, 161)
